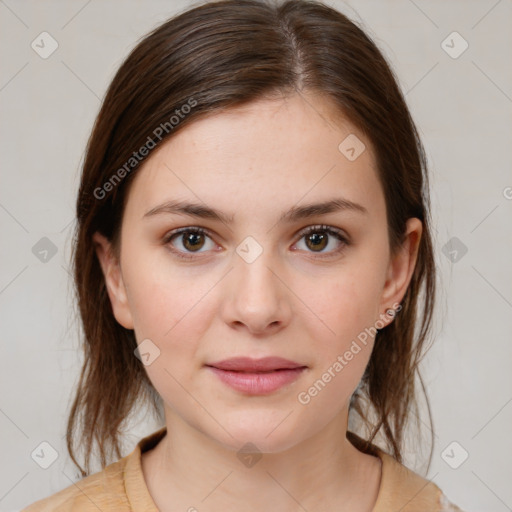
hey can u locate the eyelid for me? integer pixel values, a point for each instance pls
(324, 227)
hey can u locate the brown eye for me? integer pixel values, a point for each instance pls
(318, 238)
(317, 241)
(192, 240)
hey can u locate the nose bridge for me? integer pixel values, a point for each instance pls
(259, 297)
(253, 268)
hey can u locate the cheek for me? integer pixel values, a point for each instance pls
(171, 317)
(349, 305)
(343, 340)
(166, 309)
(161, 294)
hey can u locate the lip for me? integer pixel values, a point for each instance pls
(257, 376)
(247, 364)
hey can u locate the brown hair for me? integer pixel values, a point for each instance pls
(212, 57)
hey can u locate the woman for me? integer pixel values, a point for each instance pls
(253, 254)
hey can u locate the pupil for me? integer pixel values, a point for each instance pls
(192, 239)
(317, 240)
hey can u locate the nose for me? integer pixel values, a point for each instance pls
(258, 299)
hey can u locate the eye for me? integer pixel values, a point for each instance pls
(192, 239)
(317, 238)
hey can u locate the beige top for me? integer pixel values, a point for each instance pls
(121, 487)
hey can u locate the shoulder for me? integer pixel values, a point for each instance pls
(400, 487)
(101, 491)
(407, 491)
(447, 505)
(120, 486)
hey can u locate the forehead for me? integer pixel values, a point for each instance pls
(266, 154)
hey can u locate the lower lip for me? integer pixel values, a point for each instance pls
(258, 383)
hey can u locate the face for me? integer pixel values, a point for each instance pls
(262, 280)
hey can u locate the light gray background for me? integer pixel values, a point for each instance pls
(462, 107)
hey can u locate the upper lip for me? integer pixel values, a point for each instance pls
(247, 364)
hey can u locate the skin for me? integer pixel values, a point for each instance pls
(254, 163)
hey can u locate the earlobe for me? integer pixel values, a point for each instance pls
(113, 280)
(401, 266)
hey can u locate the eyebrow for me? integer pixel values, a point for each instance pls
(294, 214)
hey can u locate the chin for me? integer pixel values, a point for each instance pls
(268, 436)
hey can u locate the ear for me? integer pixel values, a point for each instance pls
(113, 280)
(401, 268)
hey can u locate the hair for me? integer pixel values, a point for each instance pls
(213, 57)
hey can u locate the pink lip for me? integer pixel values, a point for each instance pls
(257, 376)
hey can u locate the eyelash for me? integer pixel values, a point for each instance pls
(311, 229)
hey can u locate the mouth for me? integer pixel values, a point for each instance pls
(249, 365)
(257, 376)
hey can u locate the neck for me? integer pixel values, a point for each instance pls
(188, 469)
